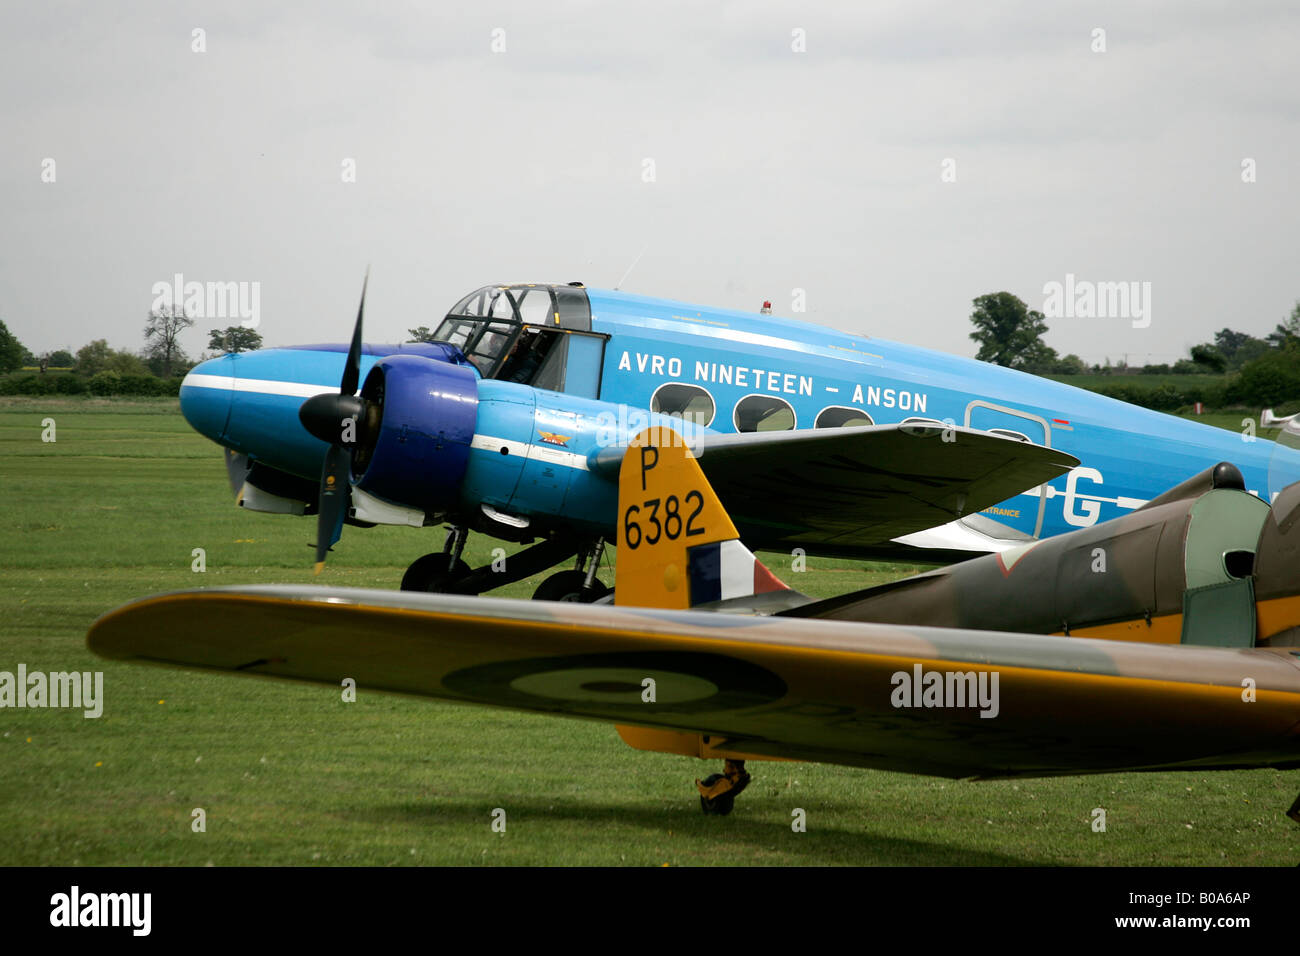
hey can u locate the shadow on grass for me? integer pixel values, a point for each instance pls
(735, 839)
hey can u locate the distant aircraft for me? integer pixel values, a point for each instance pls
(1268, 420)
(952, 702)
(840, 444)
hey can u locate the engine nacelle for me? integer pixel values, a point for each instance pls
(417, 452)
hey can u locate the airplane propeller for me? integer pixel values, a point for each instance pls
(338, 420)
(237, 467)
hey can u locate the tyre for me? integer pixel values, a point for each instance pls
(567, 586)
(430, 573)
(721, 804)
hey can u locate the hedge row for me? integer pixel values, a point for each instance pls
(1273, 380)
(1166, 398)
(103, 383)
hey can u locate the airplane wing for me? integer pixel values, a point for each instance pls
(846, 489)
(997, 705)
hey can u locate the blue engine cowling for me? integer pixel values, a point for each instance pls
(418, 453)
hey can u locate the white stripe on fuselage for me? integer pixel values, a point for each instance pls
(552, 456)
(259, 385)
(545, 453)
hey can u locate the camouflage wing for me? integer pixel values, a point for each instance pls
(810, 690)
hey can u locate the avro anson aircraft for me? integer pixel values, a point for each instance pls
(512, 424)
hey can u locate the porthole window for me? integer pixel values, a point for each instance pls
(841, 416)
(763, 413)
(923, 427)
(689, 402)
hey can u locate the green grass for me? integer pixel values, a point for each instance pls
(289, 774)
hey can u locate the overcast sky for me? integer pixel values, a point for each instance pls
(774, 169)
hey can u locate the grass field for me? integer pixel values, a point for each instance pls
(289, 774)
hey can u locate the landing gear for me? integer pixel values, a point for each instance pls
(579, 586)
(445, 572)
(431, 573)
(718, 791)
(569, 586)
(439, 572)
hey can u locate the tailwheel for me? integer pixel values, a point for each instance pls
(718, 791)
(434, 572)
(570, 586)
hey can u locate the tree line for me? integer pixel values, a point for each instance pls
(1251, 371)
(98, 369)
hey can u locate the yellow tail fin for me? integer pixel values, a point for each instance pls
(677, 547)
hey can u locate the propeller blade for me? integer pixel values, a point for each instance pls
(335, 497)
(334, 419)
(237, 467)
(352, 371)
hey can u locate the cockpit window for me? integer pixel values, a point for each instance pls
(456, 331)
(472, 304)
(535, 307)
(503, 306)
(510, 332)
(491, 346)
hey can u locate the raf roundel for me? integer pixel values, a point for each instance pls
(685, 682)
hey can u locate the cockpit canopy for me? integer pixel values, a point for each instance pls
(519, 333)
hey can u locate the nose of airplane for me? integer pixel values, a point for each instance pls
(206, 394)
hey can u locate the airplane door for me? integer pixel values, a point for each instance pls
(1024, 513)
(558, 361)
(586, 355)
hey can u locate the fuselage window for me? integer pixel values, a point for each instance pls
(922, 426)
(763, 413)
(689, 402)
(841, 416)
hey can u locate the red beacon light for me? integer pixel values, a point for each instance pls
(766, 309)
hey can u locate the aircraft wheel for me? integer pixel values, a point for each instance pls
(430, 573)
(567, 586)
(721, 804)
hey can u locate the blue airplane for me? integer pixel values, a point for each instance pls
(513, 423)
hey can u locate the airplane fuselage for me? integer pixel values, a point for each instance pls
(725, 371)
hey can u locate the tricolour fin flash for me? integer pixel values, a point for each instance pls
(677, 547)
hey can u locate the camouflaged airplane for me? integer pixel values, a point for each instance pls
(947, 701)
(511, 423)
